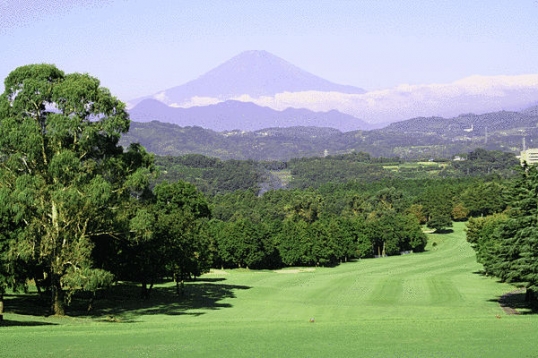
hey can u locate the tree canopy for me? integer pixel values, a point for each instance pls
(507, 244)
(62, 172)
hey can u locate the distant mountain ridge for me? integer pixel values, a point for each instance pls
(471, 125)
(253, 73)
(231, 115)
(424, 138)
(532, 111)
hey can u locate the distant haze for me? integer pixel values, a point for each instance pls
(244, 116)
(269, 81)
(251, 73)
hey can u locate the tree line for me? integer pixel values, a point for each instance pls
(506, 243)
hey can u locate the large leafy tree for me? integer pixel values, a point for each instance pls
(65, 172)
(241, 243)
(168, 236)
(437, 205)
(485, 198)
(181, 212)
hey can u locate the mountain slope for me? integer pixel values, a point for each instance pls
(423, 138)
(531, 111)
(253, 73)
(471, 125)
(231, 115)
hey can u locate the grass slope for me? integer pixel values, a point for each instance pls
(432, 304)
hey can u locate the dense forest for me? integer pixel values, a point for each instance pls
(80, 212)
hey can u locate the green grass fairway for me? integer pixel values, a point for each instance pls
(431, 304)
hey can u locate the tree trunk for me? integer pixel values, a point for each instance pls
(38, 286)
(57, 296)
(1, 307)
(90, 302)
(383, 252)
(529, 295)
(179, 284)
(144, 293)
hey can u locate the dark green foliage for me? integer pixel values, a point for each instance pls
(211, 175)
(168, 237)
(481, 235)
(507, 245)
(517, 256)
(62, 171)
(439, 221)
(437, 202)
(391, 233)
(483, 162)
(485, 198)
(313, 227)
(214, 176)
(314, 172)
(240, 244)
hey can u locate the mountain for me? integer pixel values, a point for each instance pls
(416, 138)
(268, 81)
(231, 115)
(268, 144)
(470, 125)
(251, 73)
(532, 111)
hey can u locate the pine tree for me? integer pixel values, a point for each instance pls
(515, 256)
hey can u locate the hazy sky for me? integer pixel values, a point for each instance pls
(138, 47)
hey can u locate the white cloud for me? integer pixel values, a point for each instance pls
(477, 94)
(161, 96)
(197, 101)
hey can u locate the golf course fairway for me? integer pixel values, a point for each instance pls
(431, 304)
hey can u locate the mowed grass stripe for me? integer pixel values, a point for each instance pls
(387, 291)
(453, 254)
(443, 291)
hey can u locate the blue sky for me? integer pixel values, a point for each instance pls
(138, 47)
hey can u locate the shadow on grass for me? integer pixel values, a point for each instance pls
(30, 304)
(515, 302)
(443, 231)
(484, 274)
(122, 302)
(10, 323)
(210, 279)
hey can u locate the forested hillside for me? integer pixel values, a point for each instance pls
(413, 139)
(216, 176)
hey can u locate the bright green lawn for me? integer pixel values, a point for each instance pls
(421, 305)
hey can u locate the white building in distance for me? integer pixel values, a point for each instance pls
(530, 156)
